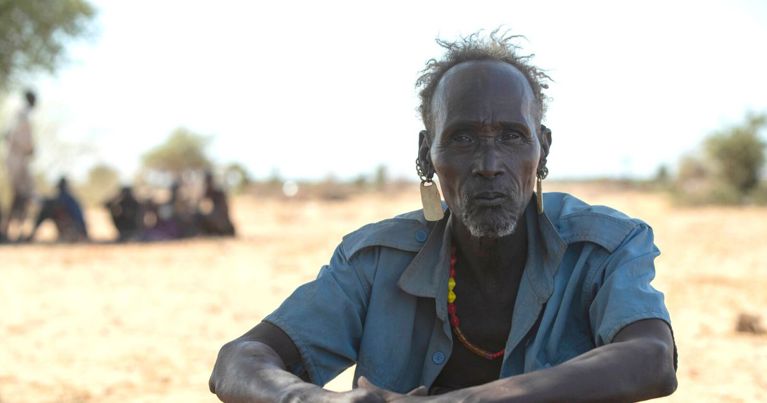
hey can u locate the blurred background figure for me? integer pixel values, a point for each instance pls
(169, 220)
(19, 152)
(127, 215)
(66, 213)
(213, 210)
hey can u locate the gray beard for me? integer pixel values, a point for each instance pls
(491, 229)
(488, 224)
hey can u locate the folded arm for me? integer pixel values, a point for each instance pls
(638, 365)
(251, 369)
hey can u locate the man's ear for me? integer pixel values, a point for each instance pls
(545, 139)
(424, 147)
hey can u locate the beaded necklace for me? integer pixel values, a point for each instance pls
(455, 322)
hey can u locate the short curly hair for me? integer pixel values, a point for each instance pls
(498, 46)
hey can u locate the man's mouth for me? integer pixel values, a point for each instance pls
(489, 199)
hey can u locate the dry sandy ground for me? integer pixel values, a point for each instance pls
(143, 323)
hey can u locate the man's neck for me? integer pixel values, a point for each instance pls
(489, 258)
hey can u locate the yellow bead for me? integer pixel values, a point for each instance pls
(450, 297)
(451, 284)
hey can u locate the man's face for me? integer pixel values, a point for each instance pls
(485, 147)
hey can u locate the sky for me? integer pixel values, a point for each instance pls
(310, 89)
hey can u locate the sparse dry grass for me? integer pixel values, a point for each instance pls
(143, 323)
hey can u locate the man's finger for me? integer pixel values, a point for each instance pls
(388, 395)
(419, 391)
(364, 383)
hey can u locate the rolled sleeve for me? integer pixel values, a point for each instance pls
(624, 293)
(325, 318)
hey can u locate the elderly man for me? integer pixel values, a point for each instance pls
(513, 295)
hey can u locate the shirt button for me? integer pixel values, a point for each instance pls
(438, 357)
(421, 235)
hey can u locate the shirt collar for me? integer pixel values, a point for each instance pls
(423, 276)
(427, 274)
(545, 249)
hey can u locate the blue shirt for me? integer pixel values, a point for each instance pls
(381, 302)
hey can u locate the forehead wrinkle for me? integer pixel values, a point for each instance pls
(487, 115)
(485, 74)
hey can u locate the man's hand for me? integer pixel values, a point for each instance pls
(389, 396)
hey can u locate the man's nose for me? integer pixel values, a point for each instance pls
(488, 163)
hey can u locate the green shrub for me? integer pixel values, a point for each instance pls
(737, 154)
(730, 169)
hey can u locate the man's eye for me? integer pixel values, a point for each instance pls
(462, 138)
(510, 136)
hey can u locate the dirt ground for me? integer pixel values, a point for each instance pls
(143, 322)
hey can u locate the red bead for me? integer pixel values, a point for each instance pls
(456, 323)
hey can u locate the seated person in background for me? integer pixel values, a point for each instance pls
(174, 219)
(510, 295)
(66, 214)
(163, 220)
(127, 214)
(213, 210)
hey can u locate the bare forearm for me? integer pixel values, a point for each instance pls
(252, 372)
(249, 371)
(628, 371)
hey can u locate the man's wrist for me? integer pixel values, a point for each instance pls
(302, 392)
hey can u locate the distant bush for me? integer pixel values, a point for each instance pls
(738, 154)
(184, 151)
(103, 182)
(662, 176)
(730, 170)
(236, 177)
